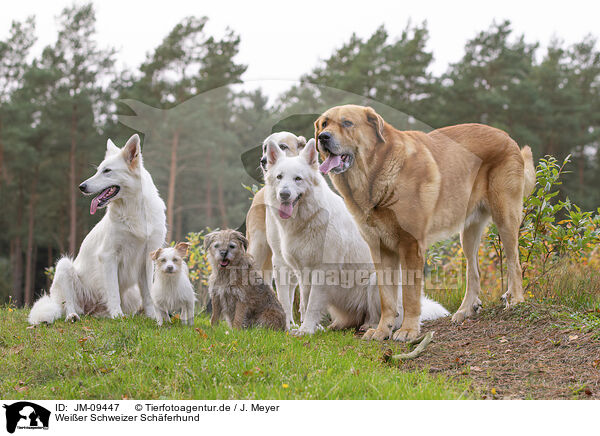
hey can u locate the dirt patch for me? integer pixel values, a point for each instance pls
(531, 351)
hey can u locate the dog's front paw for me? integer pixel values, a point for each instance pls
(406, 334)
(72, 317)
(302, 331)
(116, 314)
(151, 313)
(376, 335)
(297, 332)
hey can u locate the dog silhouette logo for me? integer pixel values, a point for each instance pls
(26, 415)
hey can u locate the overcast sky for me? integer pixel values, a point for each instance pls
(283, 40)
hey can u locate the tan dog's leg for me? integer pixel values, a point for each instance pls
(388, 293)
(216, 311)
(412, 260)
(508, 229)
(470, 239)
(267, 266)
(506, 204)
(256, 233)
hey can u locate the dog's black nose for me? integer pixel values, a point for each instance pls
(170, 268)
(263, 162)
(324, 137)
(285, 195)
(83, 187)
(223, 253)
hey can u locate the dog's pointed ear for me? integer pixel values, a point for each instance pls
(301, 142)
(155, 254)
(376, 121)
(309, 153)
(208, 239)
(111, 148)
(132, 150)
(182, 248)
(273, 152)
(241, 239)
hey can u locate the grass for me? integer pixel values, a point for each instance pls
(134, 358)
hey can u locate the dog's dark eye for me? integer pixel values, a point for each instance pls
(163, 260)
(347, 123)
(324, 124)
(232, 245)
(283, 147)
(279, 176)
(216, 245)
(298, 179)
(175, 260)
(107, 170)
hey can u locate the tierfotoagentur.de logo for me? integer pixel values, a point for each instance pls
(26, 415)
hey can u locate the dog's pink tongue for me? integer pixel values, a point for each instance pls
(94, 205)
(286, 210)
(331, 162)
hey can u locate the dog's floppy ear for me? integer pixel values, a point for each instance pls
(111, 148)
(376, 121)
(273, 152)
(182, 248)
(155, 254)
(317, 132)
(132, 150)
(301, 142)
(242, 239)
(309, 153)
(208, 239)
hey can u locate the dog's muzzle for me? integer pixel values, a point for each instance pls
(224, 262)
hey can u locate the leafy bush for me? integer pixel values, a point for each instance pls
(198, 265)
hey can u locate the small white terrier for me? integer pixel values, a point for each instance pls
(171, 288)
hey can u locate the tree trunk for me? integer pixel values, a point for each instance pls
(29, 262)
(50, 264)
(72, 187)
(581, 171)
(172, 182)
(62, 237)
(179, 219)
(221, 203)
(208, 191)
(17, 256)
(2, 173)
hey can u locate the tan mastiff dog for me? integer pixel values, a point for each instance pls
(408, 189)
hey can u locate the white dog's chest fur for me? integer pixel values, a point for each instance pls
(125, 236)
(171, 291)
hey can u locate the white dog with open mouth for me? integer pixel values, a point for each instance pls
(114, 258)
(320, 237)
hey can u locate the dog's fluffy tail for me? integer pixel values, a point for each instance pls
(529, 182)
(46, 309)
(49, 308)
(432, 309)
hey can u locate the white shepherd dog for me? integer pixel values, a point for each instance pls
(322, 245)
(113, 265)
